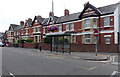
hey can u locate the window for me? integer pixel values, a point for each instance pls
(106, 21)
(36, 29)
(87, 39)
(44, 30)
(26, 31)
(73, 39)
(22, 32)
(107, 40)
(71, 26)
(60, 28)
(67, 27)
(87, 23)
(94, 22)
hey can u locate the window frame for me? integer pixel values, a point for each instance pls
(87, 22)
(87, 38)
(106, 21)
(107, 41)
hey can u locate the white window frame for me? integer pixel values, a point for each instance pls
(107, 40)
(60, 28)
(71, 26)
(87, 23)
(67, 27)
(106, 21)
(94, 22)
(86, 38)
(26, 31)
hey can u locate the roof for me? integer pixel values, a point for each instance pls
(69, 17)
(40, 20)
(29, 22)
(108, 9)
(19, 27)
(13, 26)
(103, 10)
(51, 18)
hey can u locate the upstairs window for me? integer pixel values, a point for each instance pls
(71, 26)
(67, 27)
(94, 22)
(87, 23)
(26, 31)
(60, 28)
(106, 21)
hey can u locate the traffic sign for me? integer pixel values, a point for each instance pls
(96, 33)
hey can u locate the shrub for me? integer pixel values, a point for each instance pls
(47, 40)
(29, 40)
(21, 40)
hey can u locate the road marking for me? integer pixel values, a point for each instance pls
(76, 57)
(114, 73)
(112, 59)
(115, 63)
(92, 68)
(12, 74)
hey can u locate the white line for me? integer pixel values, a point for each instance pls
(114, 73)
(12, 74)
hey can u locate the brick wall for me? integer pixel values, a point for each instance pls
(74, 47)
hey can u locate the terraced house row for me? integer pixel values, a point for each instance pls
(78, 28)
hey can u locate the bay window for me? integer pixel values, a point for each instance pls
(87, 23)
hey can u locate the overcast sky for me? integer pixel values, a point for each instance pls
(14, 11)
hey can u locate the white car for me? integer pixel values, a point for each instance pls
(1, 44)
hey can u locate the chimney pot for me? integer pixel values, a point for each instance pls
(51, 14)
(21, 22)
(66, 12)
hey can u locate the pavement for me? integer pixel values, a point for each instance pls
(82, 55)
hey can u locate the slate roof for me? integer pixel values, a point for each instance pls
(29, 22)
(40, 20)
(69, 17)
(19, 27)
(103, 10)
(13, 26)
(108, 9)
(47, 20)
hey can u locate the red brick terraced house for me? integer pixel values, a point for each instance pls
(81, 26)
(37, 28)
(10, 33)
(77, 28)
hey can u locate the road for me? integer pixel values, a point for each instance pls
(20, 61)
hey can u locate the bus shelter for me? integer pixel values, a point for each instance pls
(60, 42)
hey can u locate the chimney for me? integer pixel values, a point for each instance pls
(51, 14)
(21, 22)
(39, 16)
(66, 12)
(29, 19)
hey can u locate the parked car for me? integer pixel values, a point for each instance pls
(1, 44)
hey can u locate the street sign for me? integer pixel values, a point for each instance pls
(96, 33)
